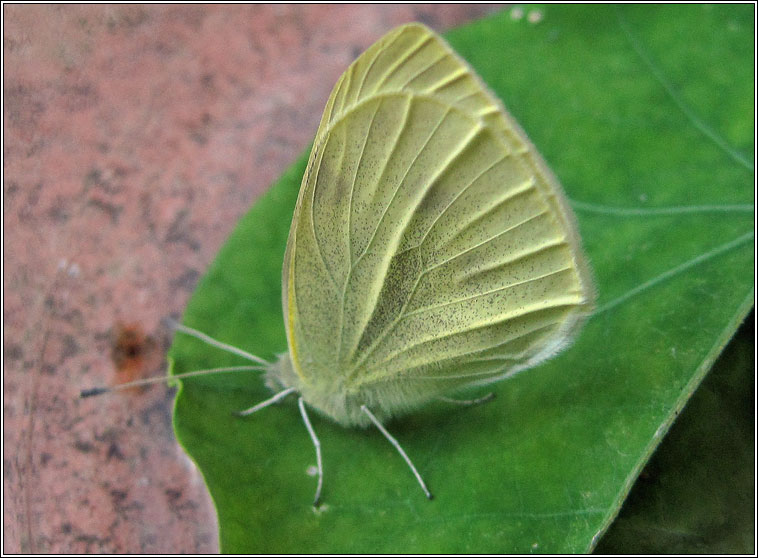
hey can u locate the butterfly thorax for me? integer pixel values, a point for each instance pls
(337, 400)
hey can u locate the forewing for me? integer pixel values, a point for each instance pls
(430, 243)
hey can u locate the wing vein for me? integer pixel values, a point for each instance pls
(460, 149)
(352, 189)
(458, 195)
(490, 239)
(428, 67)
(313, 222)
(379, 377)
(353, 265)
(389, 203)
(350, 220)
(399, 184)
(466, 96)
(491, 291)
(371, 65)
(410, 52)
(455, 76)
(402, 315)
(539, 307)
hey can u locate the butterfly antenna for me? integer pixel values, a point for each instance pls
(159, 379)
(192, 332)
(399, 448)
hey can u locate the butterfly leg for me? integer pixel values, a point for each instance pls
(271, 400)
(398, 448)
(317, 444)
(489, 397)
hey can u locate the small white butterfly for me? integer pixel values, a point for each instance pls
(430, 248)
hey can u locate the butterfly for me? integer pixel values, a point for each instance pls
(430, 249)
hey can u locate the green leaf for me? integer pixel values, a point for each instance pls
(697, 493)
(646, 115)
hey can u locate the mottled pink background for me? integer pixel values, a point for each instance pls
(134, 138)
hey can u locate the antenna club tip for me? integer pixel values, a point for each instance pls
(170, 322)
(92, 391)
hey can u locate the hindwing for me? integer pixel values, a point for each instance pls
(430, 245)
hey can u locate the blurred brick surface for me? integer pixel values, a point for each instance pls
(134, 138)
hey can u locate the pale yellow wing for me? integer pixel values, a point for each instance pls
(430, 245)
